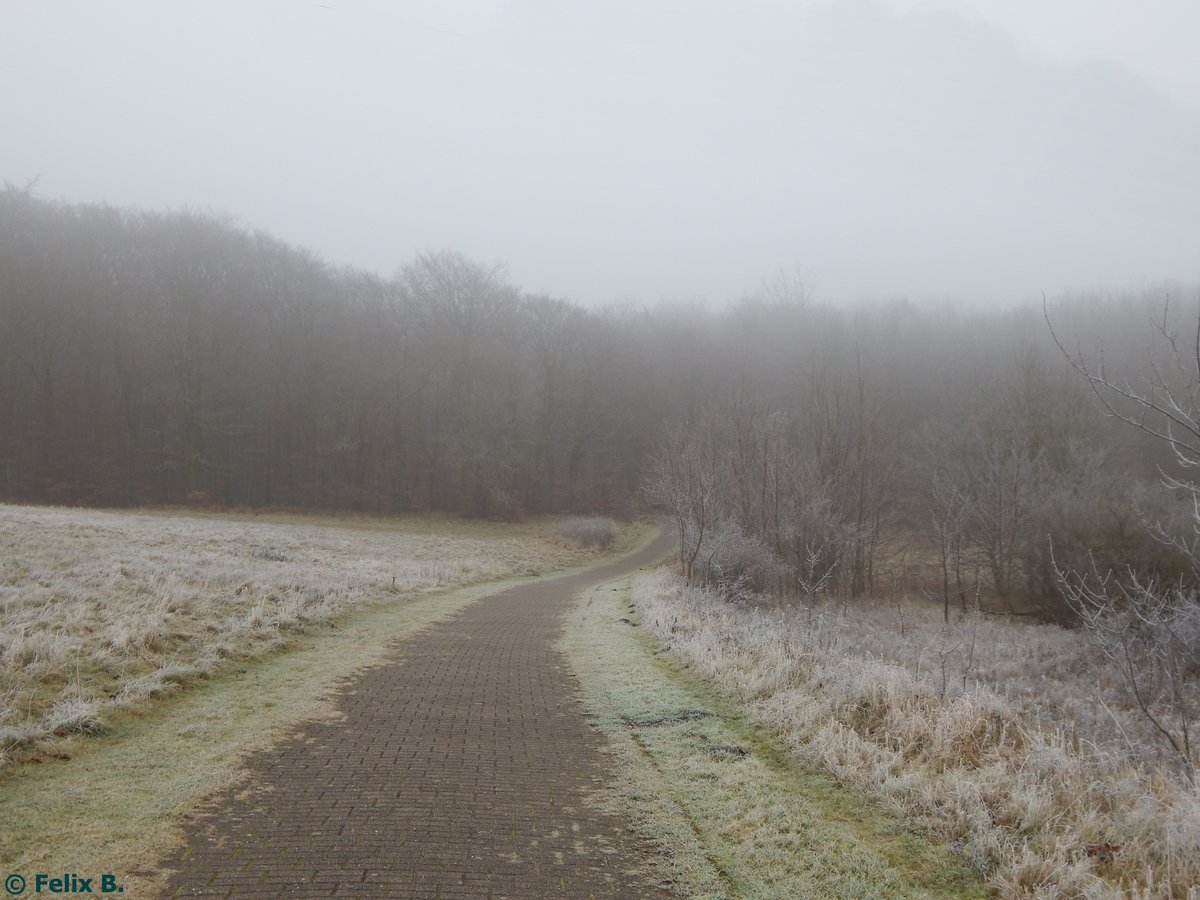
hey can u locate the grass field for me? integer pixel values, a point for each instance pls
(993, 734)
(101, 612)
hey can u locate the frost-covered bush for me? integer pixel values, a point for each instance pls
(589, 532)
(737, 564)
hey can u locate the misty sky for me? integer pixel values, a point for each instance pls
(985, 150)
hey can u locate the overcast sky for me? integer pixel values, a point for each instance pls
(986, 150)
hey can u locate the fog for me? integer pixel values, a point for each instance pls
(619, 150)
(885, 314)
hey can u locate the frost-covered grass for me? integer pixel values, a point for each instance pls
(101, 611)
(1008, 751)
(729, 815)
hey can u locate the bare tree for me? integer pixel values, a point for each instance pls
(1148, 628)
(683, 477)
(949, 514)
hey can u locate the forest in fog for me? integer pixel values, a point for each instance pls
(752, 448)
(173, 358)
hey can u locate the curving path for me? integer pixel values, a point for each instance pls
(461, 769)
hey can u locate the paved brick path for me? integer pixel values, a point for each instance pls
(461, 769)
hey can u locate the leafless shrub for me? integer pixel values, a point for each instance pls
(1150, 633)
(589, 533)
(819, 539)
(737, 564)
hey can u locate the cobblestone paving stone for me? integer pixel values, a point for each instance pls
(463, 768)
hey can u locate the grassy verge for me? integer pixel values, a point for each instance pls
(122, 800)
(732, 816)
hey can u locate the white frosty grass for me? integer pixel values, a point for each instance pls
(982, 762)
(101, 610)
(726, 817)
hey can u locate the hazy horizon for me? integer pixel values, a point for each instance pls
(633, 151)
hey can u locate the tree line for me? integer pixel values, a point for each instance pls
(163, 358)
(156, 358)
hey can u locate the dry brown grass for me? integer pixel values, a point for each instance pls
(101, 611)
(1007, 750)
